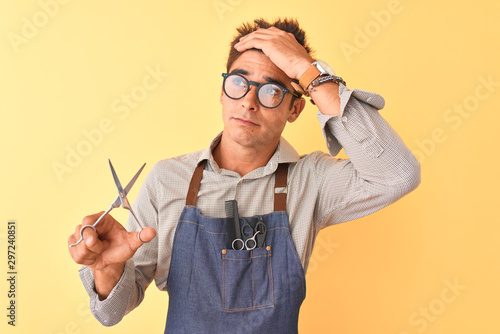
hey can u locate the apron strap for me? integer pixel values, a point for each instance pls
(280, 182)
(194, 186)
(280, 185)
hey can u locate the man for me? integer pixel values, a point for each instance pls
(224, 277)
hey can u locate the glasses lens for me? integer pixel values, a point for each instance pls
(235, 86)
(270, 95)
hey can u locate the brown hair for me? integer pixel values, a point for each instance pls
(287, 24)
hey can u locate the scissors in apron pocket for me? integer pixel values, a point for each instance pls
(255, 237)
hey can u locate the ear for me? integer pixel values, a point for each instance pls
(221, 95)
(298, 106)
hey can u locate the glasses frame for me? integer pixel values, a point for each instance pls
(259, 86)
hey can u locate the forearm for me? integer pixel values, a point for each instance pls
(326, 98)
(106, 279)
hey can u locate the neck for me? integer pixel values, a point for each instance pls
(241, 159)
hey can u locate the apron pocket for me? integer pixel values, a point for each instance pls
(247, 279)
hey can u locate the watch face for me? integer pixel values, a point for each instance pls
(324, 67)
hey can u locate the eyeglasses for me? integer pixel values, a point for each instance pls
(270, 95)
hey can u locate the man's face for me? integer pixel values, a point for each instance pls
(248, 123)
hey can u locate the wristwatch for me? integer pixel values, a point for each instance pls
(317, 69)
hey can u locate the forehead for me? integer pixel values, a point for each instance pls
(259, 68)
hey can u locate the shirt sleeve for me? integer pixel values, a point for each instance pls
(380, 168)
(112, 309)
(139, 270)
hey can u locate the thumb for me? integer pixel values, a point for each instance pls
(146, 235)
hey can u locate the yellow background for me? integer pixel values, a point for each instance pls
(379, 274)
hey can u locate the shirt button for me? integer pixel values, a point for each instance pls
(329, 139)
(344, 119)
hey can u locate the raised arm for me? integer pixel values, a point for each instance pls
(381, 169)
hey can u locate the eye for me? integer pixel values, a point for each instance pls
(271, 90)
(238, 81)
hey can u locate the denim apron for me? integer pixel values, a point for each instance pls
(215, 289)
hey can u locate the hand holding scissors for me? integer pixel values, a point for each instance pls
(107, 245)
(121, 200)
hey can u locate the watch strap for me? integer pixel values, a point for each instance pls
(306, 78)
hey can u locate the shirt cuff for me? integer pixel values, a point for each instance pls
(354, 123)
(112, 309)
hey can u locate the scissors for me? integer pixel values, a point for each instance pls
(251, 234)
(121, 200)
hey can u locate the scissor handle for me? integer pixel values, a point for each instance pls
(238, 241)
(261, 227)
(246, 229)
(92, 226)
(252, 241)
(81, 234)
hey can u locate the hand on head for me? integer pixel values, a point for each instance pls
(281, 47)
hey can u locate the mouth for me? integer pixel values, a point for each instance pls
(245, 122)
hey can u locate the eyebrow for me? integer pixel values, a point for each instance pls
(268, 79)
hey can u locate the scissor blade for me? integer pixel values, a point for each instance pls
(117, 182)
(131, 183)
(117, 203)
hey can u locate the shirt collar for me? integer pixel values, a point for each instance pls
(285, 153)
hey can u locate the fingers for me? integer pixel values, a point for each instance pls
(266, 33)
(105, 224)
(93, 244)
(82, 231)
(147, 234)
(249, 43)
(281, 47)
(109, 245)
(91, 219)
(258, 38)
(137, 239)
(89, 246)
(80, 253)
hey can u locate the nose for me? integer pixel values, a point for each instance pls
(250, 101)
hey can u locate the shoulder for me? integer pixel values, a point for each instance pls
(188, 160)
(176, 169)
